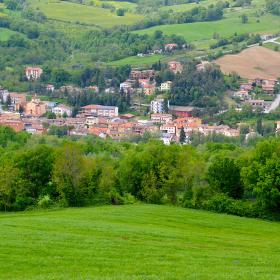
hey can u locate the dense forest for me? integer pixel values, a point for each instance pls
(46, 171)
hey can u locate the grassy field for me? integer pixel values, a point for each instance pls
(203, 31)
(76, 13)
(137, 242)
(5, 34)
(188, 6)
(137, 61)
(124, 5)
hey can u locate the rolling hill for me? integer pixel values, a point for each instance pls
(137, 242)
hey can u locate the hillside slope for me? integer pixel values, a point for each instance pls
(137, 242)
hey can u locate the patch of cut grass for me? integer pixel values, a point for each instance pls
(137, 242)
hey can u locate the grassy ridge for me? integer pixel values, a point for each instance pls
(137, 242)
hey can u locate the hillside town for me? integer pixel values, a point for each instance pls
(25, 112)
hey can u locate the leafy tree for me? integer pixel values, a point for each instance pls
(182, 138)
(244, 18)
(9, 180)
(224, 176)
(35, 167)
(68, 172)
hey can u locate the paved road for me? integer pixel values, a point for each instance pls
(274, 104)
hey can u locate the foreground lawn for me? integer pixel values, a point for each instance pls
(137, 242)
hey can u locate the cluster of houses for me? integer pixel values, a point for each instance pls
(166, 121)
(246, 93)
(104, 121)
(144, 80)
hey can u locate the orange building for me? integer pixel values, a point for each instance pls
(35, 107)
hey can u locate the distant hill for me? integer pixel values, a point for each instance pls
(137, 242)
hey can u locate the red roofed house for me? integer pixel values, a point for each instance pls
(175, 67)
(170, 47)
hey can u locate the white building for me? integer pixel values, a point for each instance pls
(168, 128)
(166, 86)
(157, 106)
(33, 73)
(161, 118)
(61, 110)
(100, 111)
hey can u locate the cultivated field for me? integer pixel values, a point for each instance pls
(137, 242)
(252, 63)
(82, 14)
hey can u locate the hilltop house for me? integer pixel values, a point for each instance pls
(33, 73)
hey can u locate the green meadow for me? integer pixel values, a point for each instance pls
(119, 5)
(144, 242)
(137, 61)
(82, 14)
(203, 31)
(5, 34)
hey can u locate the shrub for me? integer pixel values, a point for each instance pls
(45, 201)
(221, 203)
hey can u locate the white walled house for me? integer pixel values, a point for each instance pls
(166, 86)
(33, 73)
(61, 110)
(157, 106)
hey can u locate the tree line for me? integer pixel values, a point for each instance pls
(47, 171)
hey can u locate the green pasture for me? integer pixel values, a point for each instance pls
(203, 31)
(137, 242)
(82, 14)
(5, 34)
(137, 61)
